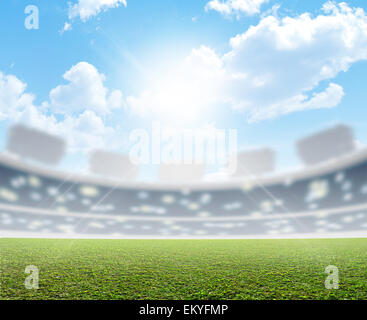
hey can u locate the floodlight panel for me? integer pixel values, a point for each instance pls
(255, 162)
(173, 173)
(326, 145)
(112, 165)
(34, 144)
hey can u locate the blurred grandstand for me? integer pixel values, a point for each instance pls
(326, 198)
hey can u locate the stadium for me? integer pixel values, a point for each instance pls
(183, 150)
(325, 199)
(328, 199)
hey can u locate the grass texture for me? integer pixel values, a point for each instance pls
(183, 269)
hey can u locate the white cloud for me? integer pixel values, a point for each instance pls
(275, 67)
(329, 98)
(12, 95)
(85, 9)
(236, 7)
(85, 91)
(83, 129)
(282, 61)
(67, 27)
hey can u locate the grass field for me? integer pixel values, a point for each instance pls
(183, 269)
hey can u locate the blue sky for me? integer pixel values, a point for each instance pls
(137, 45)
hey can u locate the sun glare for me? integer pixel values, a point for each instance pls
(181, 95)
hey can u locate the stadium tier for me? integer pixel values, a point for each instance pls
(327, 199)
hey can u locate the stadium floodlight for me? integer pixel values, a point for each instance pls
(181, 173)
(33, 144)
(327, 144)
(255, 162)
(112, 165)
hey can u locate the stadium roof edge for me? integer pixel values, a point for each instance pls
(284, 177)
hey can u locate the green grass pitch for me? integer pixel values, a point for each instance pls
(183, 269)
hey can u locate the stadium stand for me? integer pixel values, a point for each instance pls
(330, 198)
